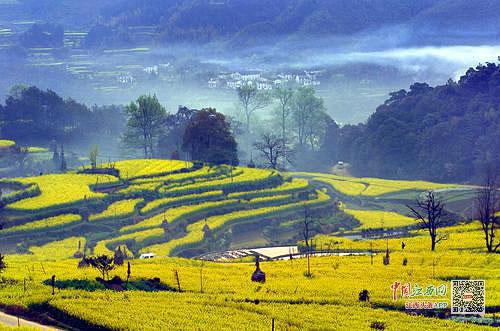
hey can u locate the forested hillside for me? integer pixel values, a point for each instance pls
(31, 115)
(242, 21)
(443, 133)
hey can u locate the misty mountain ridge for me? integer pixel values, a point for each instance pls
(250, 23)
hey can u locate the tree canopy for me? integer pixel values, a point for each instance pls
(145, 121)
(447, 133)
(33, 116)
(208, 138)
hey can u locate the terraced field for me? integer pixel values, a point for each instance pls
(378, 204)
(6, 143)
(148, 168)
(371, 219)
(59, 190)
(143, 204)
(372, 187)
(177, 209)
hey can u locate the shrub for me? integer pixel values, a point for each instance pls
(377, 325)
(3, 265)
(364, 296)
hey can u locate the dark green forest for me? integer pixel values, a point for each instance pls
(34, 116)
(444, 133)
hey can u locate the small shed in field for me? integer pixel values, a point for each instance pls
(147, 256)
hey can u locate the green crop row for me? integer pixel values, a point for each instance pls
(184, 214)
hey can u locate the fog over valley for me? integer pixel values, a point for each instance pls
(360, 66)
(352, 58)
(250, 165)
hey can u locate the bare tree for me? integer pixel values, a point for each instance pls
(251, 100)
(20, 154)
(488, 206)
(429, 211)
(273, 149)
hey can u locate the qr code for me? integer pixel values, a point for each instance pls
(468, 297)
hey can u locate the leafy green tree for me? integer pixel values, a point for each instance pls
(43, 35)
(146, 117)
(32, 116)
(170, 141)
(103, 263)
(447, 133)
(251, 100)
(94, 152)
(309, 117)
(208, 138)
(284, 96)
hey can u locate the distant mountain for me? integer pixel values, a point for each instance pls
(240, 23)
(246, 22)
(70, 14)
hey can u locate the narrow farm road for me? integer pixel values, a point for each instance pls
(10, 320)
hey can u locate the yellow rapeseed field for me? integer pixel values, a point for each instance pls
(371, 219)
(60, 189)
(118, 209)
(149, 167)
(221, 295)
(372, 186)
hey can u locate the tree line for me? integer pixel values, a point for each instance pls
(447, 133)
(297, 126)
(31, 116)
(200, 135)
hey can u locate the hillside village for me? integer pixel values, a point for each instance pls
(264, 81)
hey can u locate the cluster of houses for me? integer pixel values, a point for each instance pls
(263, 81)
(164, 72)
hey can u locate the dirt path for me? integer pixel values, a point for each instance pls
(10, 320)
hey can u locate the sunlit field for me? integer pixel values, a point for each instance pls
(171, 220)
(249, 165)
